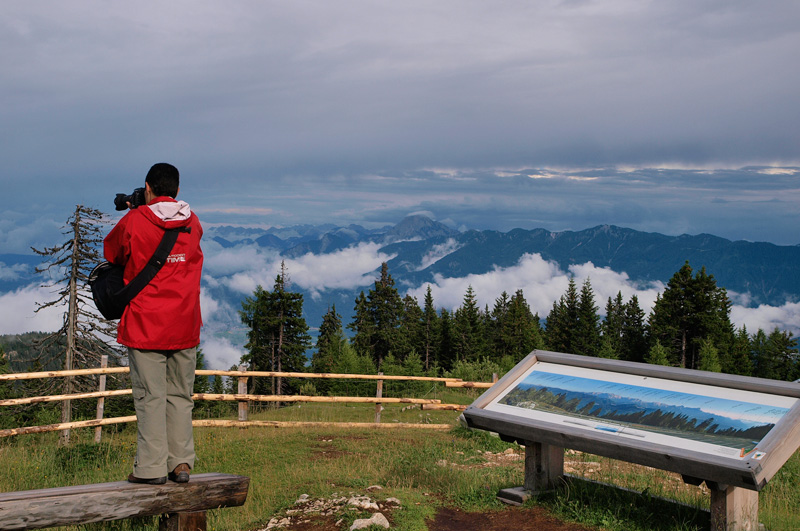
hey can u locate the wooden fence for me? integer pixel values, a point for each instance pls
(242, 397)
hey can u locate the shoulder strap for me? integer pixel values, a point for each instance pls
(155, 263)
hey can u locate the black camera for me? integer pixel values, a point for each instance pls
(136, 199)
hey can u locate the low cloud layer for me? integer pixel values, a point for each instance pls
(241, 270)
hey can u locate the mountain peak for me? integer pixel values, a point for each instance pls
(418, 227)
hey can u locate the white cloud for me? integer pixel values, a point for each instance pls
(11, 272)
(219, 353)
(344, 269)
(786, 317)
(542, 282)
(18, 311)
(438, 252)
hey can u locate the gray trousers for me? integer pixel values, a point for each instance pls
(162, 382)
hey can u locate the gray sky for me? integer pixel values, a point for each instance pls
(674, 117)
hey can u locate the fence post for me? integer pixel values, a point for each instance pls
(243, 404)
(494, 377)
(101, 402)
(378, 405)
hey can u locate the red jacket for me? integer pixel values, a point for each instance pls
(165, 315)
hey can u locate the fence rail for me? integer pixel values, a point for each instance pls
(242, 397)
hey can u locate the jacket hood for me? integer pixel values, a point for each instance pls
(167, 211)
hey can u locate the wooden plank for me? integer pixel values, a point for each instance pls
(327, 399)
(57, 398)
(83, 504)
(734, 509)
(544, 467)
(779, 444)
(212, 423)
(470, 385)
(195, 521)
(346, 376)
(700, 465)
(443, 407)
(54, 374)
(66, 426)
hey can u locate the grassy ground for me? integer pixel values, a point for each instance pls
(424, 469)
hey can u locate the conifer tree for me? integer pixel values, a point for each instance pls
(634, 332)
(562, 322)
(386, 310)
(587, 333)
(277, 327)
(614, 324)
(468, 329)
(432, 333)
(413, 327)
(378, 319)
(775, 356)
(87, 336)
(362, 326)
(740, 359)
(692, 308)
(329, 342)
(446, 351)
(709, 357)
(657, 355)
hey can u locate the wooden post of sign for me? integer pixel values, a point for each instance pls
(733, 508)
(242, 390)
(544, 470)
(378, 405)
(98, 431)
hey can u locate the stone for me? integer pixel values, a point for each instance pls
(377, 519)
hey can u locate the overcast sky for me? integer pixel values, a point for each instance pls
(675, 117)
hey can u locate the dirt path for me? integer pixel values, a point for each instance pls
(516, 518)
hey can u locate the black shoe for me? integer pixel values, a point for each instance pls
(180, 474)
(147, 481)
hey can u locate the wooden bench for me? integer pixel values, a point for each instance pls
(182, 506)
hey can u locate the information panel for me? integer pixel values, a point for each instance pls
(700, 417)
(728, 429)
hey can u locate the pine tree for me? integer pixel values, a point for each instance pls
(775, 356)
(329, 342)
(587, 336)
(363, 326)
(432, 332)
(412, 324)
(634, 332)
(692, 308)
(87, 335)
(384, 312)
(709, 357)
(657, 355)
(562, 322)
(446, 351)
(740, 359)
(468, 329)
(278, 328)
(614, 324)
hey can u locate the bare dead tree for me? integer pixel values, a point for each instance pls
(85, 336)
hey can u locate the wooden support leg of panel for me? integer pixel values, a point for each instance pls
(544, 470)
(193, 521)
(734, 509)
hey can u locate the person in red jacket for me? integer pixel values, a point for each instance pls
(161, 326)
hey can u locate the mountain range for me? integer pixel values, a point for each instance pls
(423, 250)
(769, 273)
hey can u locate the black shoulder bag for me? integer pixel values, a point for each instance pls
(110, 293)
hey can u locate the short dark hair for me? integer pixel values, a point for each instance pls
(163, 179)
